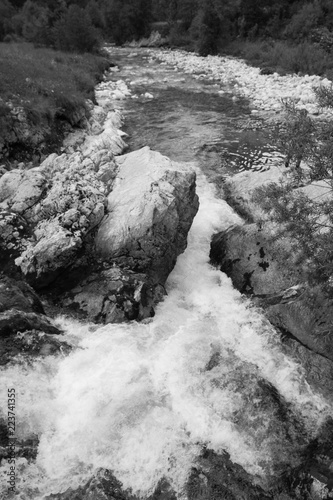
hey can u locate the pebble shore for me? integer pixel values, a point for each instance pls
(266, 93)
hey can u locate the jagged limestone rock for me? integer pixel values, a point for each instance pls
(150, 211)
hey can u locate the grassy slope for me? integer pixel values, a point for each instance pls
(47, 84)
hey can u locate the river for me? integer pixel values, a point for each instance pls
(144, 399)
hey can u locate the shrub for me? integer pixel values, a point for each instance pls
(324, 96)
(304, 57)
(307, 221)
(296, 136)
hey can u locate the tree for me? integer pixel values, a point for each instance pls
(304, 21)
(6, 13)
(32, 22)
(187, 10)
(209, 29)
(74, 32)
(128, 19)
(95, 14)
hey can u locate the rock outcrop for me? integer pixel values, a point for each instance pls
(258, 264)
(24, 328)
(114, 295)
(149, 213)
(267, 270)
(119, 221)
(48, 212)
(271, 271)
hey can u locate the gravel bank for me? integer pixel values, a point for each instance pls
(265, 92)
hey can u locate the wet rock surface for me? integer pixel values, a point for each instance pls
(114, 295)
(19, 295)
(214, 476)
(104, 486)
(24, 327)
(267, 270)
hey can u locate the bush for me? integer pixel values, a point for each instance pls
(296, 137)
(306, 220)
(285, 58)
(324, 96)
(205, 30)
(74, 32)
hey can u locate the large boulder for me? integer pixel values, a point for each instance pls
(267, 270)
(150, 211)
(272, 271)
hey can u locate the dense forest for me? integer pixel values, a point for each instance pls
(205, 25)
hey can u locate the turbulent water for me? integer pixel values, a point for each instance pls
(143, 399)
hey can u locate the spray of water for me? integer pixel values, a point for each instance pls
(142, 399)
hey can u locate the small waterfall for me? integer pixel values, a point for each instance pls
(141, 399)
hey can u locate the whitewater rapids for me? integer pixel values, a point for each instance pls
(142, 399)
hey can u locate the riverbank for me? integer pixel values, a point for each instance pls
(265, 92)
(44, 93)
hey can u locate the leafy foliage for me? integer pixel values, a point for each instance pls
(74, 32)
(209, 24)
(303, 211)
(6, 13)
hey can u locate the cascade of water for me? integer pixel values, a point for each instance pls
(142, 399)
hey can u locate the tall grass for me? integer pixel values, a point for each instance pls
(40, 80)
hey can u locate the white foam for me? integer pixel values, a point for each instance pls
(138, 398)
